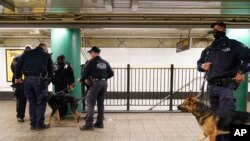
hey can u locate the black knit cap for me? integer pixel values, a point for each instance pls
(220, 23)
(61, 57)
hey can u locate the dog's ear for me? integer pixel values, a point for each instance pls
(192, 97)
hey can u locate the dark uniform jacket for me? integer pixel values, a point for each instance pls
(227, 57)
(97, 68)
(34, 62)
(13, 66)
(63, 73)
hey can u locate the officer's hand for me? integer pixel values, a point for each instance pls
(206, 66)
(86, 81)
(79, 80)
(18, 80)
(239, 78)
(73, 85)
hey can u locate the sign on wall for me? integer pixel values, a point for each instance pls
(9, 55)
(182, 45)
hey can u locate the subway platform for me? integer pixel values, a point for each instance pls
(118, 127)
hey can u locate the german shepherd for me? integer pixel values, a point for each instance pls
(212, 122)
(60, 100)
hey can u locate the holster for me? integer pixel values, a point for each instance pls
(44, 82)
(235, 85)
(90, 82)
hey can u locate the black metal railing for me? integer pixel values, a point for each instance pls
(151, 88)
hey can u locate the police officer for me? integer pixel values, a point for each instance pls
(225, 62)
(99, 71)
(37, 66)
(19, 92)
(62, 79)
(84, 85)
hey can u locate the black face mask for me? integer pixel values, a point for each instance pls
(218, 34)
(60, 63)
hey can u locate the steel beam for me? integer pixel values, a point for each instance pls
(80, 25)
(8, 4)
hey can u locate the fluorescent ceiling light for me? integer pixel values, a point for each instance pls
(34, 31)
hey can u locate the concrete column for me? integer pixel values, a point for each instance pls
(67, 42)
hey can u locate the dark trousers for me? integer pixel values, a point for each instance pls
(84, 94)
(222, 98)
(37, 96)
(20, 103)
(59, 87)
(95, 93)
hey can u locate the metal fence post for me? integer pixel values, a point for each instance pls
(171, 87)
(128, 87)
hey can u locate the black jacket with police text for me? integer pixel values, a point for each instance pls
(98, 68)
(227, 57)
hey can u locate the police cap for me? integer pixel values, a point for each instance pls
(220, 23)
(94, 49)
(27, 47)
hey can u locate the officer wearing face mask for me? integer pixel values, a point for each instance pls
(63, 79)
(225, 62)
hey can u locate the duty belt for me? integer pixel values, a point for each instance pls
(32, 77)
(34, 74)
(96, 79)
(221, 81)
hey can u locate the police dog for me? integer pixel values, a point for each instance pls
(213, 123)
(60, 100)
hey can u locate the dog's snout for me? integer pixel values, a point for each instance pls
(179, 107)
(182, 108)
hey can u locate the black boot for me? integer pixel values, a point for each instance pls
(99, 125)
(20, 119)
(86, 128)
(42, 127)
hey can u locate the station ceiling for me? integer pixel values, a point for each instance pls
(91, 13)
(119, 18)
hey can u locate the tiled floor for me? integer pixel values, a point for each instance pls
(118, 127)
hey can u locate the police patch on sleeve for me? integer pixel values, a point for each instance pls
(56, 67)
(101, 66)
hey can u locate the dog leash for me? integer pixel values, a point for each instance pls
(62, 91)
(200, 94)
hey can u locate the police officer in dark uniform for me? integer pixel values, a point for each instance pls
(99, 71)
(19, 92)
(225, 62)
(37, 67)
(84, 85)
(62, 79)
